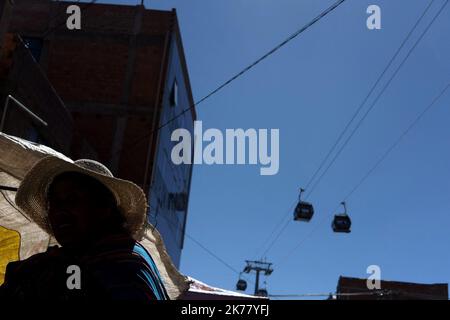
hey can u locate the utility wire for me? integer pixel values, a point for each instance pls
(203, 247)
(213, 254)
(210, 252)
(377, 98)
(222, 86)
(374, 167)
(336, 294)
(242, 72)
(236, 76)
(357, 111)
(380, 293)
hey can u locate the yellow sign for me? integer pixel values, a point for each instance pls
(9, 249)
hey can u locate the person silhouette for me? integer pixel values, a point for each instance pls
(97, 220)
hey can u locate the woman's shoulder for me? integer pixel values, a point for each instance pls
(36, 261)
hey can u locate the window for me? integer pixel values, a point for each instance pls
(174, 94)
(34, 45)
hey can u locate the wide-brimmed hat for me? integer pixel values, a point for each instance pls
(31, 196)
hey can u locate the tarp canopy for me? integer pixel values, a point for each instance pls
(20, 238)
(202, 291)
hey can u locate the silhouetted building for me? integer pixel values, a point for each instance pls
(356, 289)
(104, 91)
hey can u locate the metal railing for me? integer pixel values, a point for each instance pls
(24, 108)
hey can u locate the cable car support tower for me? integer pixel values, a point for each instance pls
(258, 267)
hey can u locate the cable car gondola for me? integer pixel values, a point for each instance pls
(304, 211)
(262, 293)
(241, 285)
(341, 222)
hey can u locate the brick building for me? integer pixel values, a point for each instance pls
(114, 82)
(390, 290)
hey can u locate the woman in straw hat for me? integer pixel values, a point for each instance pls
(96, 218)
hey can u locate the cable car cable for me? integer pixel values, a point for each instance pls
(377, 99)
(416, 24)
(277, 237)
(303, 212)
(355, 114)
(397, 142)
(372, 169)
(236, 76)
(278, 225)
(299, 215)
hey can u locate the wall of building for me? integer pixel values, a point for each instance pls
(171, 183)
(108, 75)
(114, 76)
(25, 81)
(356, 289)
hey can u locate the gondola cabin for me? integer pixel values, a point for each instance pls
(304, 211)
(341, 223)
(262, 293)
(241, 285)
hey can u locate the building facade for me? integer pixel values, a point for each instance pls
(170, 189)
(120, 77)
(356, 289)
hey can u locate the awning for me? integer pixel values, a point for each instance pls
(202, 291)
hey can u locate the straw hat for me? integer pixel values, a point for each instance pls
(31, 196)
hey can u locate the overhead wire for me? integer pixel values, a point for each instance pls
(374, 167)
(335, 294)
(377, 99)
(358, 110)
(233, 78)
(242, 72)
(366, 98)
(376, 292)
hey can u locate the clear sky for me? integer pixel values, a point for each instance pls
(309, 90)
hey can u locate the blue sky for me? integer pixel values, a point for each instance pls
(309, 90)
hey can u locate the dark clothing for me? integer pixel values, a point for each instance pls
(116, 268)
